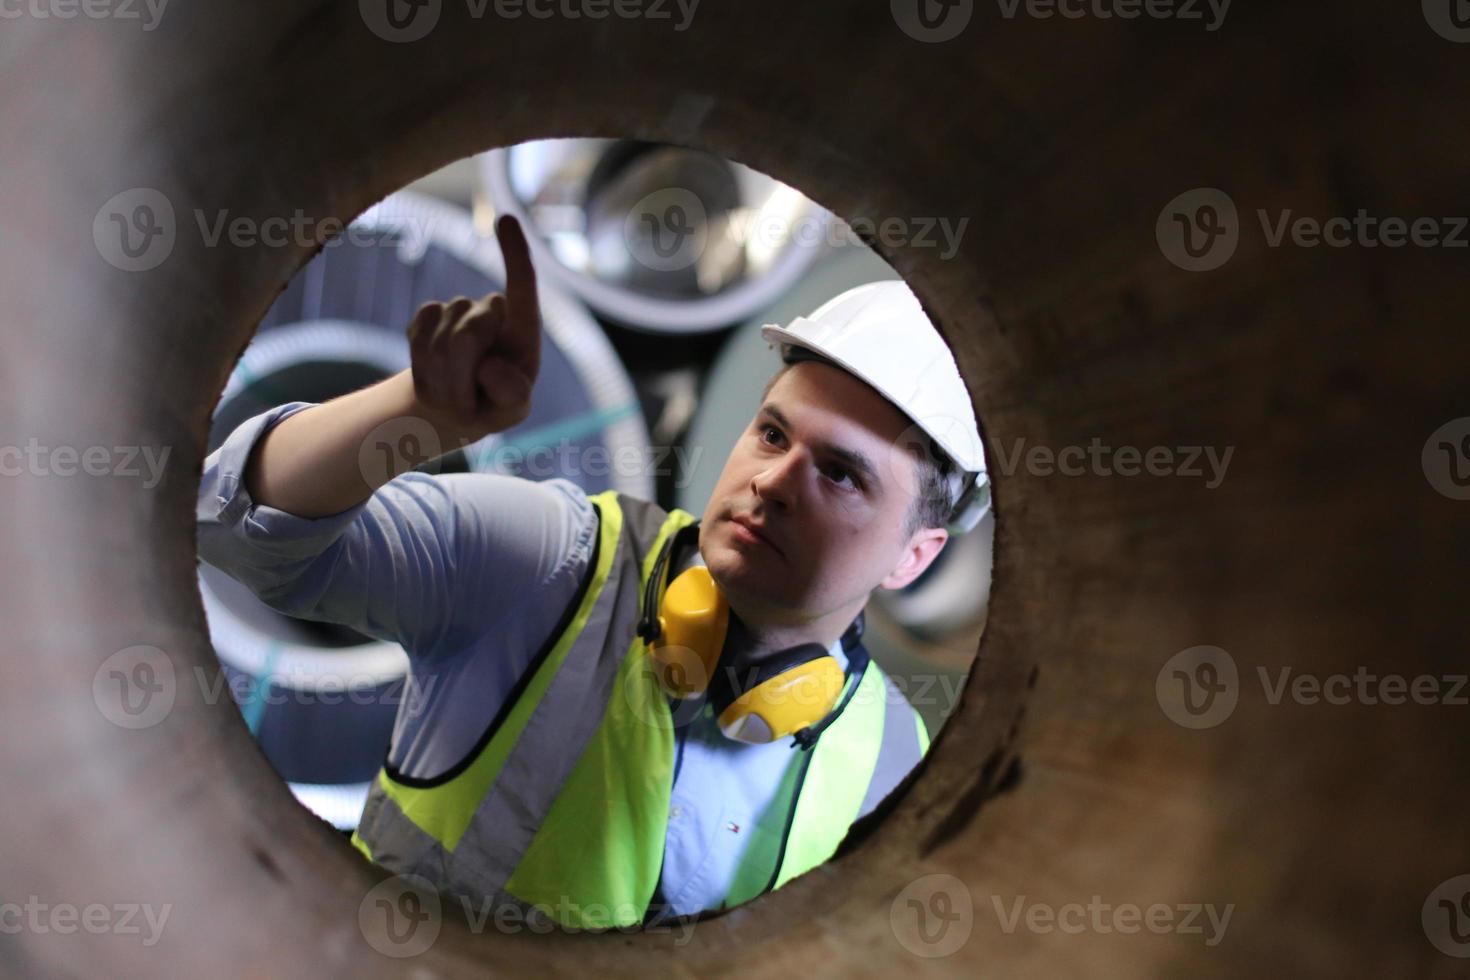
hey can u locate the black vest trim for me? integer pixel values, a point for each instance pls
(521, 684)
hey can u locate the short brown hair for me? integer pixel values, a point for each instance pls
(934, 501)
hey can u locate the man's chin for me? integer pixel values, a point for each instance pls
(737, 574)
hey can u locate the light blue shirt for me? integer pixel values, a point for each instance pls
(470, 573)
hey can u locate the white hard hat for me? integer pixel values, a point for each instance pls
(879, 333)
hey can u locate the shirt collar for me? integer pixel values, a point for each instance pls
(838, 654)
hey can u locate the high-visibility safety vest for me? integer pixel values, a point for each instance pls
(562, 806)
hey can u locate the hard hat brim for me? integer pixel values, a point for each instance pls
(966, 458)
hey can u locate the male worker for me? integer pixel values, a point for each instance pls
(625, 713)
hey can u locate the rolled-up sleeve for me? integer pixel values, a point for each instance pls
(428, 561)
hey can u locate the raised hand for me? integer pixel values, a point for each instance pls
(475, 362)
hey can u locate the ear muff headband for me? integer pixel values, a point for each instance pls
(781, 699)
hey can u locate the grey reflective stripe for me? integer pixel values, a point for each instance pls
(899, 751)
(398, 843)
(558, 730)
(642, 520)
(407, 850)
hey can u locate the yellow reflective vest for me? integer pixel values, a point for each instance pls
(562, 807)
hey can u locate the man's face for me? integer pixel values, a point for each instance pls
(825, 473)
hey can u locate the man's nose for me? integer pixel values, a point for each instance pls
(780, 482)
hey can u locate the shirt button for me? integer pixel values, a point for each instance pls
(675, 811)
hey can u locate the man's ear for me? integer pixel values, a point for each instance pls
(922, 549)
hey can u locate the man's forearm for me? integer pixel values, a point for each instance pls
(318, 461)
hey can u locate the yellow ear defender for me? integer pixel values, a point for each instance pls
(788, 693)
(692, 622)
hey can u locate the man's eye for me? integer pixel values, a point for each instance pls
(768, 428)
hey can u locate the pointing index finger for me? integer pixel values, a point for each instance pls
(523, 315)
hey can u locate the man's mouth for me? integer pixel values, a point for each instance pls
(748, 531)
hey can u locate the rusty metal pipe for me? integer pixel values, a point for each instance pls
(1059, 142)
